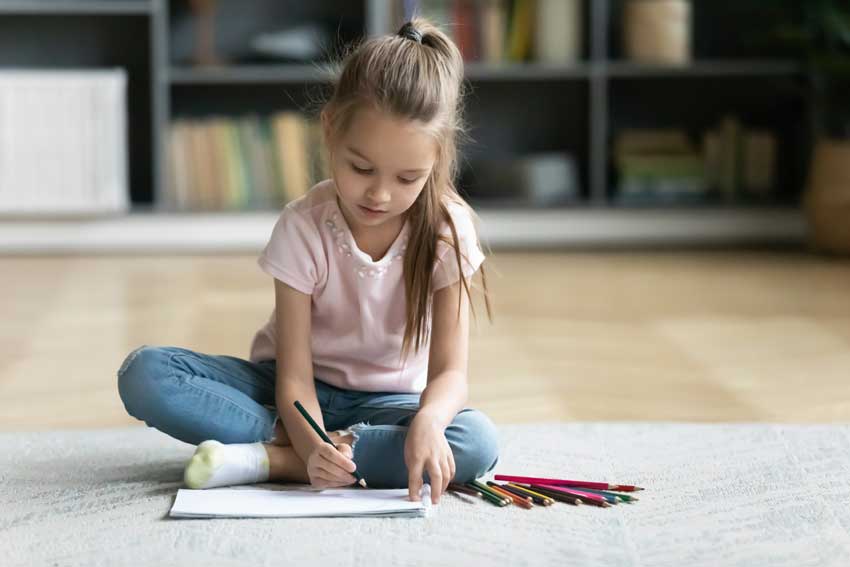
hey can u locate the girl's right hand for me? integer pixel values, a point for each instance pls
(330, 467)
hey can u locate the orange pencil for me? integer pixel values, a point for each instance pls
(516, 499)
(534, 499)
(505, 488)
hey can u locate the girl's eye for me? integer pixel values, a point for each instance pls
(408, 181)
(360, 170)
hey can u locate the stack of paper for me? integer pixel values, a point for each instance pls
(297, 501)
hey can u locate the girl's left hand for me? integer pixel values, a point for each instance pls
(426, 448)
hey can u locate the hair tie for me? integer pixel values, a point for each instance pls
(410, 32)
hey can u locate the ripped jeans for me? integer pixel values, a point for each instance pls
(194, 397)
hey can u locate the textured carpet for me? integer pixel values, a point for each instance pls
(742, 495)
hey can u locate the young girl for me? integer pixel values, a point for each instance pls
(370, 326)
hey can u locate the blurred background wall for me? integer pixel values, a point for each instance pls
(612, 121)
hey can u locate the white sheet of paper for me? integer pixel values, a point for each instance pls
(296, 501)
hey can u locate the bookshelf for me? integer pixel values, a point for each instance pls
(575, 108)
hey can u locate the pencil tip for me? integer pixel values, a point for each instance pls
(362, 482)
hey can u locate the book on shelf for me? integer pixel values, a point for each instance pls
(759, 149)
(497, 31)
(242, 163)
(63, 141)
(740, 161)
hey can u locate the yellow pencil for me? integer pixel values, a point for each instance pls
(549, 500)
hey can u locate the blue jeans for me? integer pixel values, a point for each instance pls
(194, 397)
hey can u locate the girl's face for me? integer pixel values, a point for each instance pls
(381, 164)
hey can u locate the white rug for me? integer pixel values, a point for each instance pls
(743, 495)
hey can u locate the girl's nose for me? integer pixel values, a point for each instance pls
(378, 194)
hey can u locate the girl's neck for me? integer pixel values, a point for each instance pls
(374, 240)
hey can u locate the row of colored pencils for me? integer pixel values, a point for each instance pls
(527, 491)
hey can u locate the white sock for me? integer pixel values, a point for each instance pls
(216, 464)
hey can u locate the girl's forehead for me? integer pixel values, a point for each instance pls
(378, 135)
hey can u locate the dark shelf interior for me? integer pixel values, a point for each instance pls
(238, 23)
(512, 110)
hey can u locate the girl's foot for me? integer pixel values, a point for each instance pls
(216, 464)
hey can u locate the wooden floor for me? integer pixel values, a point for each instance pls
(698, 336)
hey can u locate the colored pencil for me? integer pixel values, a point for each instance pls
(486, 488)
(561, 495)
(490, 497)
(623, 497)
(575, 483)
(518, 500)
(539, 500)
(507, 489)
(464, 490)
(612, 499)
(549, 500)
(360, 480)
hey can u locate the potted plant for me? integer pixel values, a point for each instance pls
(823, 37)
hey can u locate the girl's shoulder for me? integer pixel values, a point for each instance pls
(465, 222)
(304, 217)
(318, 197)
(463, 217)
(311, 209)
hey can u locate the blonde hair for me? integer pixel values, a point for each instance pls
(416, 74)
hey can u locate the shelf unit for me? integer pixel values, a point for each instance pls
(573, 108)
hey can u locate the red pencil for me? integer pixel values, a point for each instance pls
(562, 482)
(570, 490)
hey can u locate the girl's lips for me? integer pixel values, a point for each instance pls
(370, 211)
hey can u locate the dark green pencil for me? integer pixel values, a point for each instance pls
(486, 490)
(325, 437)
(488, 495)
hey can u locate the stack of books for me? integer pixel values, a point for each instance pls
(243, 163)
(658, 166)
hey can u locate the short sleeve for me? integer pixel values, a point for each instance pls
(445, 268)
(294, 251)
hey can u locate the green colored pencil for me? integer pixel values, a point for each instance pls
(488, 496)
(360, 480)
(482, 486)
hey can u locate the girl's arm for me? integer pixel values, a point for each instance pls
(446, 392)
(294, 380)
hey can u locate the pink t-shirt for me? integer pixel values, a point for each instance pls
(358, 304)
